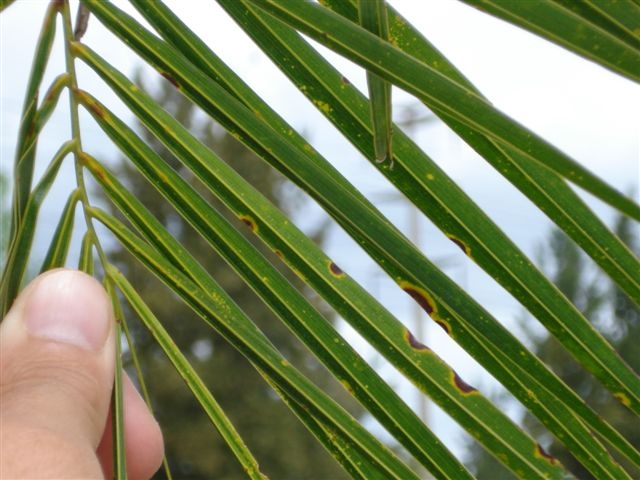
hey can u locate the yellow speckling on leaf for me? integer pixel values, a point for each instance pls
(400, 22)
(324, 106)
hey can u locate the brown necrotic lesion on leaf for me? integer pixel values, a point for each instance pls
(463, 246)
(85, 99)
(335, 270)
(461, 385)
(414, 343)
(249, 222)
(444, 325)
(170, 79)
(421, 296)
(542, 453)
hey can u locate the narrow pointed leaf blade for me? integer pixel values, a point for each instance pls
(189, 375)
(61, 240)
(25, 151)
(480, 409)
(373, 17)
(438, 92)
(220, 312)
(608, 36)
(445, 197)
(20, 247)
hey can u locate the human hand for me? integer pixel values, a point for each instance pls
(57, 367)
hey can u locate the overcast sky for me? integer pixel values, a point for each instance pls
(585, 110)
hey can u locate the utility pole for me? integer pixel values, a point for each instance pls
(410, 121)
(413, 116)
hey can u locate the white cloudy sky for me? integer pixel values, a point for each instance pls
(585, 110)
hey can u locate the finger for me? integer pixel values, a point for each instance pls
(143, 439)
(56, 375)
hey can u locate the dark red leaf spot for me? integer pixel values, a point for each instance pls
(345, 81)
(279, 254)
(100, 174)
(170, 79)
(249, 222)
(85, 159)
(51, 94)
(459, 243)
(94, 166)
(31, 131)
(97, 109)
(89, 102)
(421, 298)
(463, 386)
(413, 341)
(544, 454)
(335, 270)
(444, 326)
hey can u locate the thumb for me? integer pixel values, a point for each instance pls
(56, 375)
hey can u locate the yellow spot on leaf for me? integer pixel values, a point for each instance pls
(346, 386)
(623, 399)
(323, 106)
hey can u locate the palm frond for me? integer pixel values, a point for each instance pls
(392, 53)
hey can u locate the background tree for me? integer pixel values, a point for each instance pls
(284, 448)
(613, 313)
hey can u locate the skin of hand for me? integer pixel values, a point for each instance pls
(57, 362)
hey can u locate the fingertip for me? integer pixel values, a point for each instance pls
(56, 365)
(68, 306)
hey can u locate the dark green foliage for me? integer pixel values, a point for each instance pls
(619, 320)
(281, 444)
